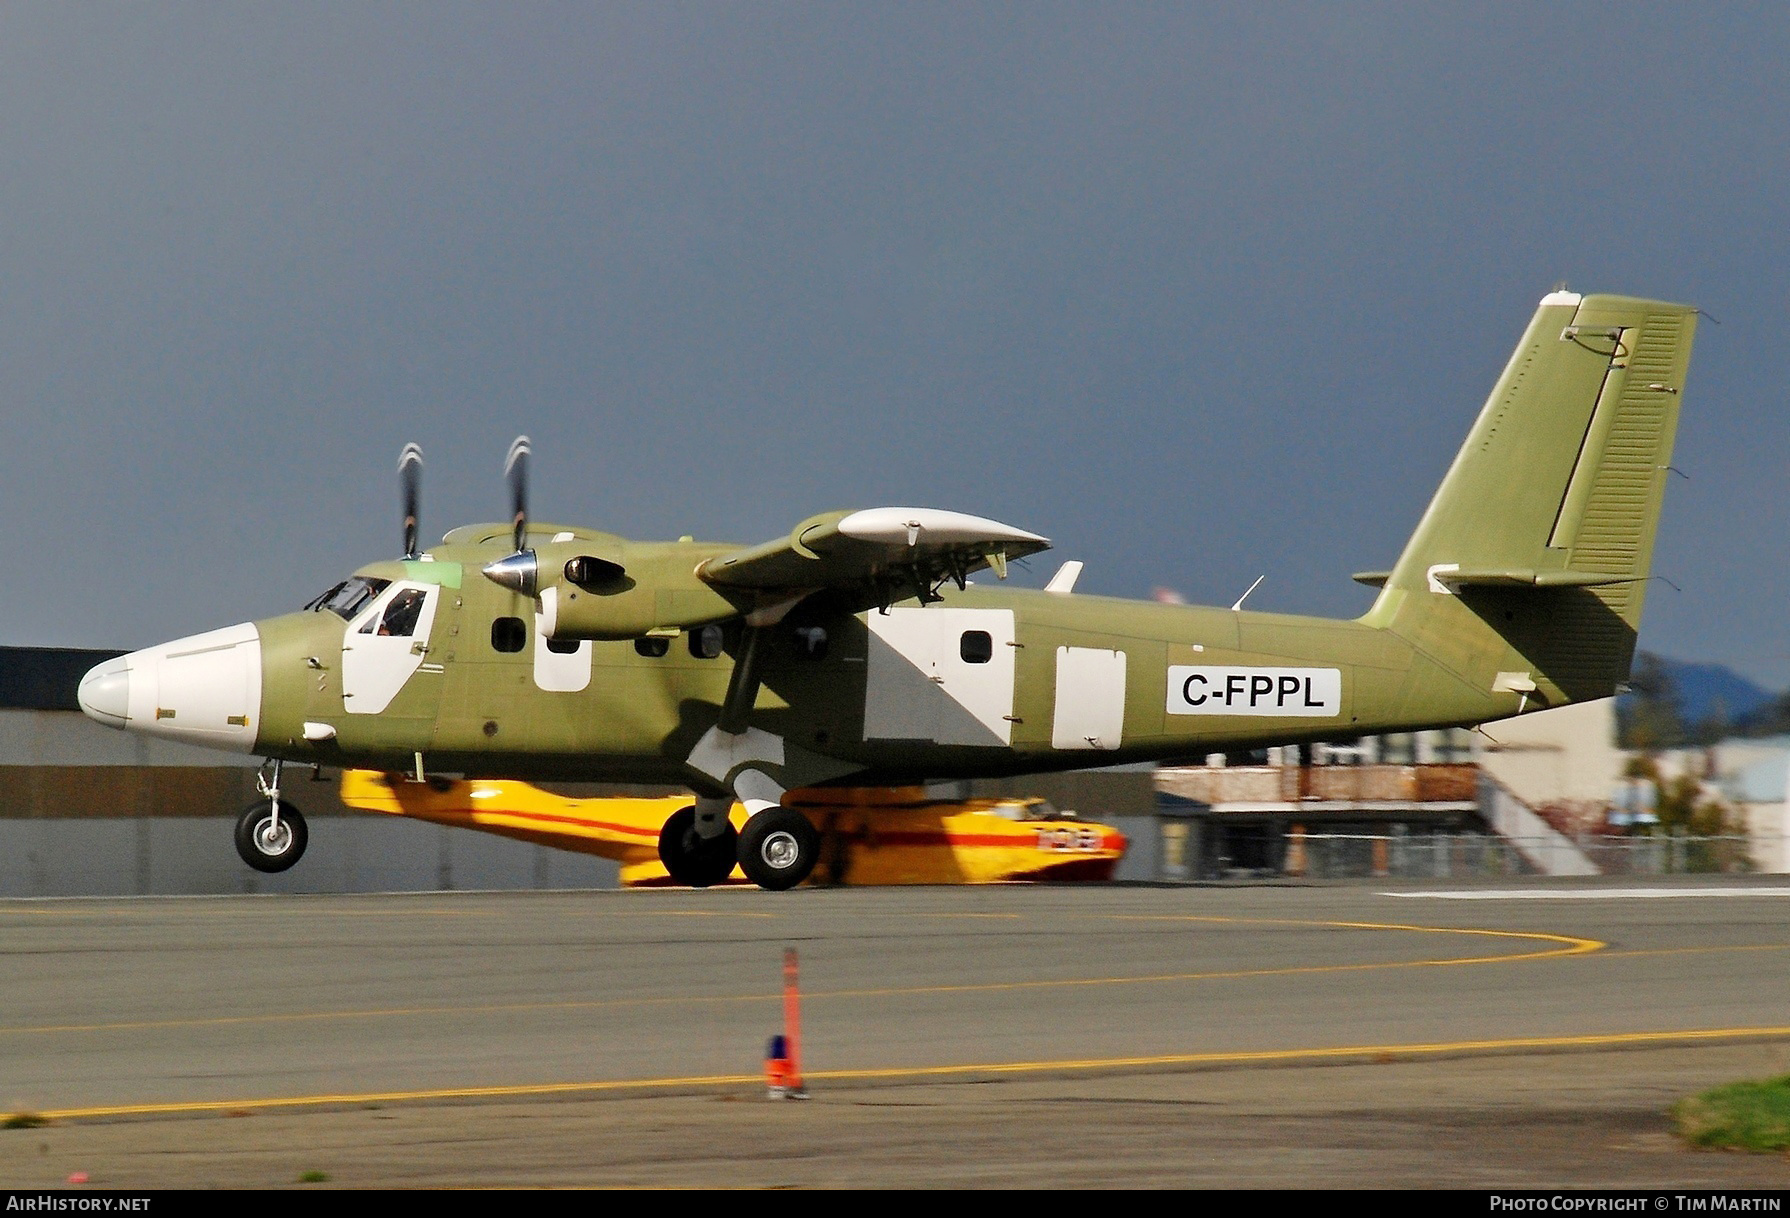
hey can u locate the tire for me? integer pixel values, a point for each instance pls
(778, 848)
(693, 860)
(263, 853)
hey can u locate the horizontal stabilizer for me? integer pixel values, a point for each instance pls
(1523, 578)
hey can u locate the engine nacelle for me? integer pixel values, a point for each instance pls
(627, 594)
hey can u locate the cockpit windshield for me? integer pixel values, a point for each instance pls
(349, 597)
(1029, 809)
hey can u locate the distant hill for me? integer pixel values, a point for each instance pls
(1671, 702)
(1706, 689)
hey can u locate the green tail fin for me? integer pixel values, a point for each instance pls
(1543, 528)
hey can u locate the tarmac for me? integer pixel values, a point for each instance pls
(1326, 1036)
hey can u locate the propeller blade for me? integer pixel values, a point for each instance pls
(410, 477)
(515, 468)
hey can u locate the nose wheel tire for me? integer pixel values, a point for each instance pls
(693, 859)
(267, 846)
(778, 848)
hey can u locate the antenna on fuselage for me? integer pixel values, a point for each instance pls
(1252, 588)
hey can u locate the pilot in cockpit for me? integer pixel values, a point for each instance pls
(400, 616)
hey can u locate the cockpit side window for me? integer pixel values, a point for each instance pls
(400, 616)
(350, 596)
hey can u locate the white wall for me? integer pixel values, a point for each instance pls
(1555, 756)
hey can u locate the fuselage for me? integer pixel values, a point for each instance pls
(424, 665)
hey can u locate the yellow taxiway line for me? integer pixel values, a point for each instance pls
(1288, 1057)
(1565, 945)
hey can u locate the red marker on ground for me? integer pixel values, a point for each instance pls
(782, 1059)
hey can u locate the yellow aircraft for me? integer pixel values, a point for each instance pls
(869, 836)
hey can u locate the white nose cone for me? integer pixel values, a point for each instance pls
(203, 690)
(105, 693)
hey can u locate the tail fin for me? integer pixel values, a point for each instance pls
(1543, 528)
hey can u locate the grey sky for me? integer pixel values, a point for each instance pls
(1201, 293)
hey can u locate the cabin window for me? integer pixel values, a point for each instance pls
(976, 647)
(564, 647)
(652, 648)
(705, 642)
(811, 642)
(508, 634)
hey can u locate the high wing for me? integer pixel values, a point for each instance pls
(873, 558)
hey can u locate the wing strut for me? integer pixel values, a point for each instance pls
(742, 685)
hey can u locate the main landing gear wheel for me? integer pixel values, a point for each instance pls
(693, 859)
(778, 848)
(269, 846)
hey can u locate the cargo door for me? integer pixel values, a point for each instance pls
(944, 675)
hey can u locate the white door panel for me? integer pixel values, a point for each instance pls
(385, 645)
(564, 672)
(900, 698)
(944, 675)
(1090, 711)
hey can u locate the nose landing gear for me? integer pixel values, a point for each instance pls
(271, 834)
(268, 842)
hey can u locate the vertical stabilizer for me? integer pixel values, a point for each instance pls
(1530, 565)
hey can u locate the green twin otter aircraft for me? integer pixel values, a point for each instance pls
(856, 651)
